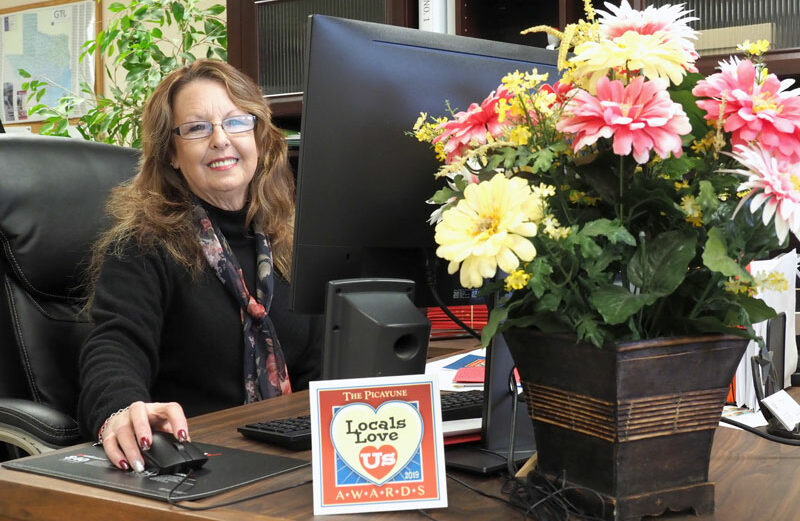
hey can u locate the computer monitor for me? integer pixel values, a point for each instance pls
(362, 183)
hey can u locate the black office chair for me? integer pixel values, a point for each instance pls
(52, 199)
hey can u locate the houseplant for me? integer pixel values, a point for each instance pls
(615, 213)
(144, 41)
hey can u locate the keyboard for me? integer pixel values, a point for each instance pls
(295, 433)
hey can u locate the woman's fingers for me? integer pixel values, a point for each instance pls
(169, 417)
(130, 432)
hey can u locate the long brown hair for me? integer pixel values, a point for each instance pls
(154, 207)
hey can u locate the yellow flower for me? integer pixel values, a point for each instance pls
(694, 214)
(771, 281)
(517, 279)
(737, 286)
(553, 229)
(519, 135)
(420, 120)
(427, 130)
(520, 83)
(488, 229)
(632, 52)
(679, 185)
(754, 49)
(705, 144)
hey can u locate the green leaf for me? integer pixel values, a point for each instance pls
(589, 248)
(544, 160)
(659, 265)
(612, 230)
(442, 195)
(616, 304)
(715, 256)
(497, 316)
(540, 270)
(682, 94)
(177, 10)
(707, 199)
(756, 309)
(676, 167)
(588, 329)
(116, 7)
(548, 302)
(23, 73)
(215, 10)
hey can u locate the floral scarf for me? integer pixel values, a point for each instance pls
(265, 373)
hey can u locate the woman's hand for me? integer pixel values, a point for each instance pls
(126, 433)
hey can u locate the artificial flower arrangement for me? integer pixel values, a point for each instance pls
(626, 200)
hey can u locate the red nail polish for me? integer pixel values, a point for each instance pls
(124, 465)
(182, 435)
(144, 443)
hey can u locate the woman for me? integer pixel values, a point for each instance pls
(187, 308)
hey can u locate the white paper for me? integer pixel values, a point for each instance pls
(781, 301)
(784, 408)
(445, 376)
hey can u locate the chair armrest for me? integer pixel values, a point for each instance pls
(35, 427)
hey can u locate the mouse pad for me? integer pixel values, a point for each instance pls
(226, 469)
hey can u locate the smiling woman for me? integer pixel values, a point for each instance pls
(191, 280)
(217, 160)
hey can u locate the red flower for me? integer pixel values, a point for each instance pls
(472, 125)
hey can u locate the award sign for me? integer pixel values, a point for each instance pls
(377, 444)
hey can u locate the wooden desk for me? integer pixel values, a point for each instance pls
(755, 480)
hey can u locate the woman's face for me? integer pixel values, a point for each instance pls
(217, 168)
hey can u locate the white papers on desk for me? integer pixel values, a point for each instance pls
(438, 367)
(781, 301)
(743, 416)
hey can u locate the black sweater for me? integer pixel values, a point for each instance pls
(161, 335)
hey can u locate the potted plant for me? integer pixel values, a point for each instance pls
(615, 213)
(144, 41)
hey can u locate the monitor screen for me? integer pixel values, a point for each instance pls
(362, 181)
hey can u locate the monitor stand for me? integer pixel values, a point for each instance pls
(491, 453)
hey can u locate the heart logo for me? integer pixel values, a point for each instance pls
(376, 443)
(378, 462)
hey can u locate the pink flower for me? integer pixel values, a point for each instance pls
(561, 90)
(774, 183)
(640, 116)
(472, 125)
(766, 111)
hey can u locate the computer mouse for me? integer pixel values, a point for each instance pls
(169, 456)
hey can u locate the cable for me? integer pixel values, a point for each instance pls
(481, 492)
(430, 279)
(512, 389)
(538, 493)
(770, 437)
(176, 502)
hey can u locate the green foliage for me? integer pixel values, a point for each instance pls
(137, 43)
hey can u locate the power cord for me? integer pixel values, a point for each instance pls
(753, 430)
(430, 279)
(547, 500)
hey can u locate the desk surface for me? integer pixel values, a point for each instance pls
(755, 480)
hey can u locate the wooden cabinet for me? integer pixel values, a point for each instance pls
(266, 37)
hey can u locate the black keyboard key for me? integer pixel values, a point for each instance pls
(295, 433)
(291, 433)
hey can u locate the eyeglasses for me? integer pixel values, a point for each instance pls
(201, 129)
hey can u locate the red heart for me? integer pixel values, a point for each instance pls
(378, 461)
